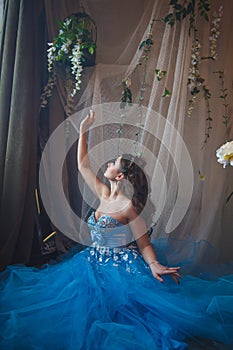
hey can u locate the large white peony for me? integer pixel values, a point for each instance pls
(225, 154)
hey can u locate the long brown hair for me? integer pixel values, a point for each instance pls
(133, 170)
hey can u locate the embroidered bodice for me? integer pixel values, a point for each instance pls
(109, 232)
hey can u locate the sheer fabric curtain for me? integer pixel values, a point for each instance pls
(121, 27)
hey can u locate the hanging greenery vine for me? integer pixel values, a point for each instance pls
(196, 82)
(223, 96)
(73, 48)
(127, 99)
(193, 10)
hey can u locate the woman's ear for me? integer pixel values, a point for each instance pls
(120, 177)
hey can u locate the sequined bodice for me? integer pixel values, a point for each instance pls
(109, 232)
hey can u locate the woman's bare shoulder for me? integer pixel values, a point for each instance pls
(130, 211)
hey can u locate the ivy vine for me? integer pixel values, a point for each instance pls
(179, 10)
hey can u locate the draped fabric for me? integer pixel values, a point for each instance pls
(19, 106)
(121, 27)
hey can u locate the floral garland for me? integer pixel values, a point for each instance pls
(126, 98)
(69, 48)
(196, 83)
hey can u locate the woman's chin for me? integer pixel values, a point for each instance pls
(108, 177)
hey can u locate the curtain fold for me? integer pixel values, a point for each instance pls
(19, 109)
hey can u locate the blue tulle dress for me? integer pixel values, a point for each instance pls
(106, 298)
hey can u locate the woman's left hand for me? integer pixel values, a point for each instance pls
(159, 270)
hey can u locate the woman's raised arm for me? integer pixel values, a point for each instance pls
(96, 186)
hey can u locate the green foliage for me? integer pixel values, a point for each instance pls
(166, 93)
(182, 9)
(126, 95)
(203, 8)
(209, 120)
(223, 96)
(160, 73)
(74, 30)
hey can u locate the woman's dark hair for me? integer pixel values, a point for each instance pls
(133, 170)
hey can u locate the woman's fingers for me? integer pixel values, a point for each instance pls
(176, 279)
(159, 278)
(88, 120)
(169, 271)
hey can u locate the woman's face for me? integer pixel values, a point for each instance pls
(112, 170)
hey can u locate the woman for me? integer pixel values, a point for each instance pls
(114, 202)
(109, 296)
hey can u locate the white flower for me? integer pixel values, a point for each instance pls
(76, 67)
(225, 154)
(215, 32)
(51, 54)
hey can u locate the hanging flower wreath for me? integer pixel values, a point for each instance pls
(74, 48)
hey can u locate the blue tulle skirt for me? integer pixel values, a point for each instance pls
(107, 299)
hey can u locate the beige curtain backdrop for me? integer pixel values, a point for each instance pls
(121, 27)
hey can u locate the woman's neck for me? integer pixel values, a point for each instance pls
(114, 189)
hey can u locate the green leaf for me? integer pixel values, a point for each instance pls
(195, 91)
(91, 50)
(184, 13)
(149, 42)
(166, 93)
(206, 17)
(189, 8)
(168, 18)
(178, 7)
(142, 44)
(129, 93)
(178, 16)
(160, 74)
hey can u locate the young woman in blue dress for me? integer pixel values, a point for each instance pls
(115, 203)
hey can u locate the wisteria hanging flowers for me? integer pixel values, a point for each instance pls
(70, 48)
(76, 66)
(215, 32)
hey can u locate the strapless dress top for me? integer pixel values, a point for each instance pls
(109, 232)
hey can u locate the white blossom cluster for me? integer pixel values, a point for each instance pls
(48, 90)
(51, 53)
(76, 67)
(225, 154)
(65, 47)
(195, 61)
(214, 32)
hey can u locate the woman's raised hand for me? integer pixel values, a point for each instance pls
(87, 121)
